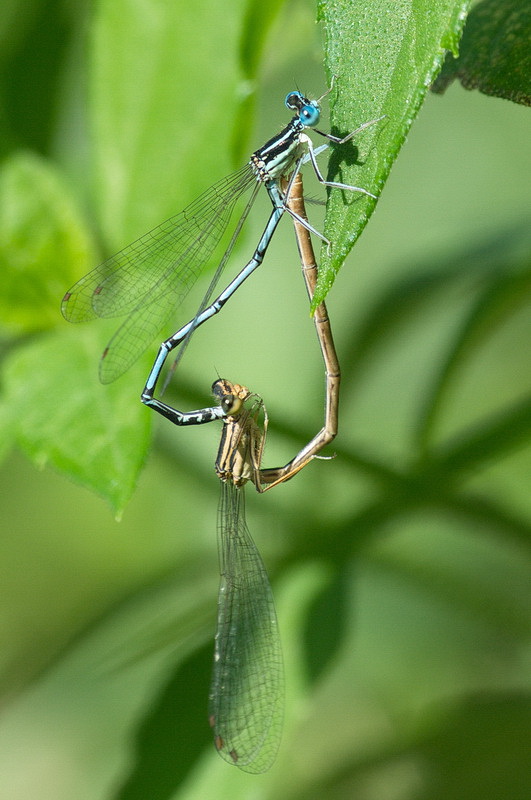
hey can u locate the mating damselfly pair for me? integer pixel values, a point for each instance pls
(145, 282)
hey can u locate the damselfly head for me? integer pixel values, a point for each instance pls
(308, 111)
(231, 396)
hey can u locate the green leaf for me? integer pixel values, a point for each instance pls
(384, 57)
(258, 21)
(96, 435)
(256, 25)
(43, 243)
(495, 56)
(152, 159)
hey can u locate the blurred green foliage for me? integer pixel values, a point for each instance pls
(401, 566)
(494, 54)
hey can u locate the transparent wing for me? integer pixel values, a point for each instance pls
(169, 256)
(247, 692)
(149, 278)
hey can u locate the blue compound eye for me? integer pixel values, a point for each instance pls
(307, 110)
(309, 114)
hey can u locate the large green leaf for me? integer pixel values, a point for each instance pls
(161, 111)
(96, 435)
(384, 56)
(43, 243)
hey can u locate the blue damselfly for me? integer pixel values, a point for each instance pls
(146, 281)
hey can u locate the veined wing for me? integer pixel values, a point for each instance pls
(151, 277)
(247, 691)
(167, 258)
